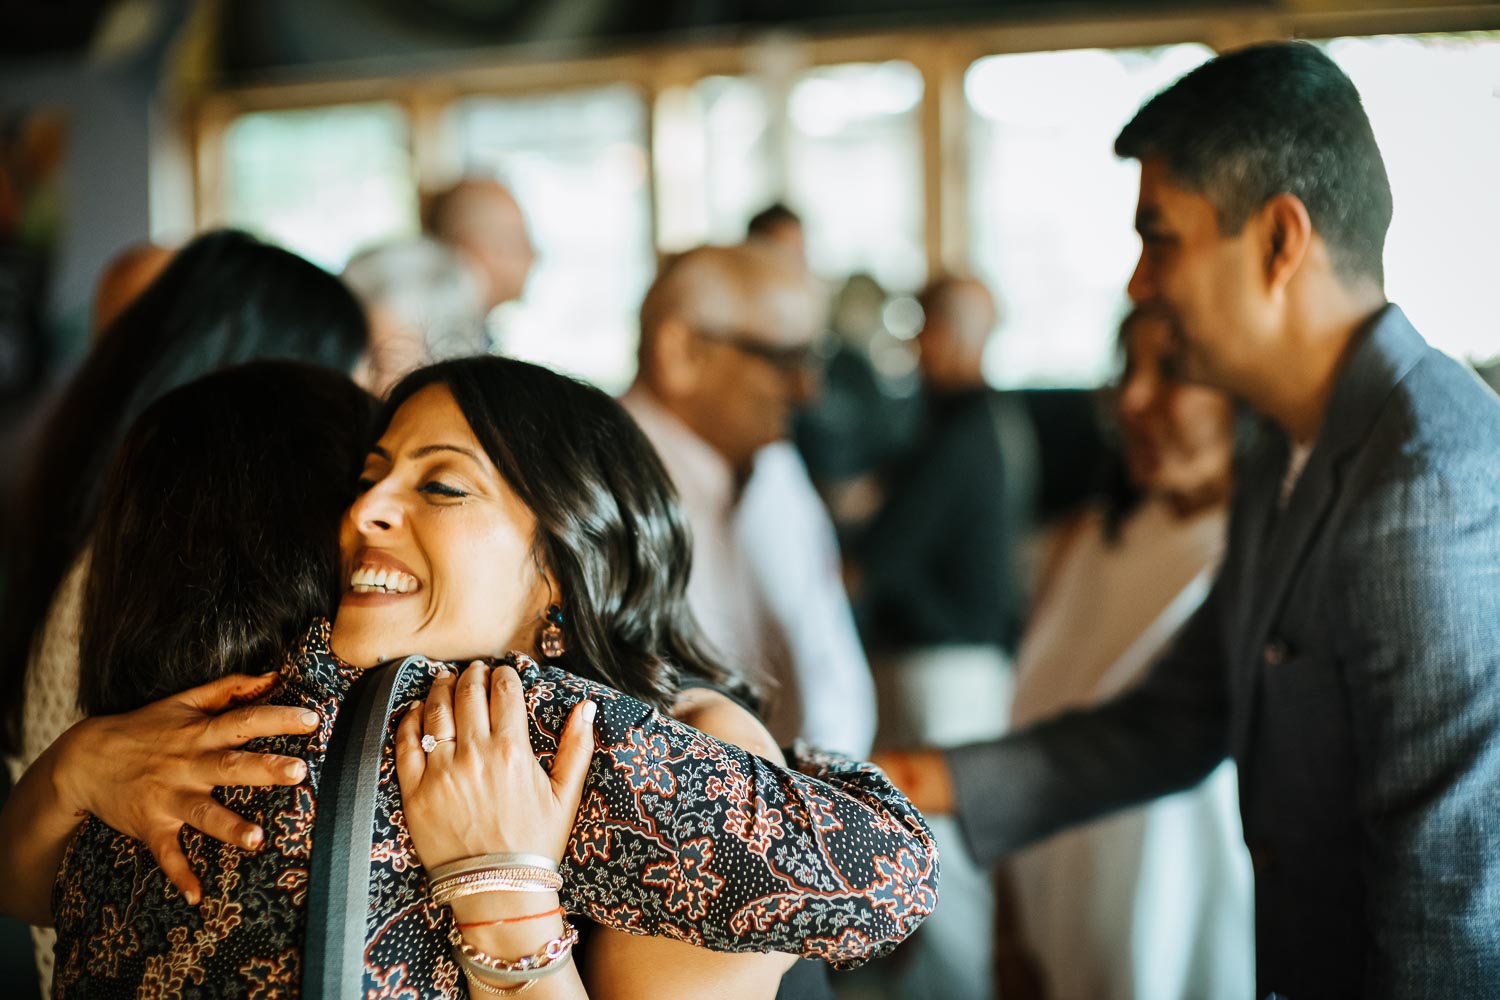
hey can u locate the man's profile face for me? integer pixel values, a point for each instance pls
(1202, 282)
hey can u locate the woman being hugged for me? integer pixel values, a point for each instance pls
(503, 504)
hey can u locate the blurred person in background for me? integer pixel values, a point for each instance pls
(225, 298)
(425, 303)
(726, 355)
(937, 600)
(124, 278)
(1153, 902)
(779, 228)
(481, 218)
(867, 413)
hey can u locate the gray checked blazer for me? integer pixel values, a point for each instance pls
(1348, 659)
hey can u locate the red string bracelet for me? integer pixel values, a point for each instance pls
(511, 920)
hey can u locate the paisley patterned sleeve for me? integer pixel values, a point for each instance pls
(683, 836)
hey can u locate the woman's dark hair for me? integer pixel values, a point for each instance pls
(608, 524)
(225, 299)
(217, 536)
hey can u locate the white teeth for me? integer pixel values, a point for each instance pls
(381, 580)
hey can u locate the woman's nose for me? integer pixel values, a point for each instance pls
(375, 511)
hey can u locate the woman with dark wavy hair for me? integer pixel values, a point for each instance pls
(503, 508)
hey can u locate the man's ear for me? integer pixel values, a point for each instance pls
(1288, 236)
(676, 359)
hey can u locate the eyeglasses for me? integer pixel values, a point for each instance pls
(787, 360)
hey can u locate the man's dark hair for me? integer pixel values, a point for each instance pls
(769, 218)
(1272, 119)
(217, 536)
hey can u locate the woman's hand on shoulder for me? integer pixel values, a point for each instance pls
(149, 772)
(725, 719)
(480, 789)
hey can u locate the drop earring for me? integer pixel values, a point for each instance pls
(552, 635)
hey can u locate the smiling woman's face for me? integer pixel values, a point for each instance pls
(437, 550)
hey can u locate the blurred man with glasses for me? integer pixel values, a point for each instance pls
(726, 357)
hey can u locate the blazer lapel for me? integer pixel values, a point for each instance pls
(1377, 362)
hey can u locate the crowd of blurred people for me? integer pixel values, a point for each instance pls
(1104, 638)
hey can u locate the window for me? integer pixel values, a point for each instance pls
(577, 163)
(324, 182)
(1051, 209)
(1434, 103)
(855, 171)
(715, 165)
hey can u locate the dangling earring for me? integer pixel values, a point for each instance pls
(552, 636)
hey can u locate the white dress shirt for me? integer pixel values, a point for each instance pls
(766, 587)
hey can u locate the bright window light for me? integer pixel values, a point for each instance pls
(577, 163)
(323, 182)
(1051, 208)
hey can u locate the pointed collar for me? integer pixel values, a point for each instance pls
(1383, 353)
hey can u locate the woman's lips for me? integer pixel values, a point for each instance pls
(378, 577)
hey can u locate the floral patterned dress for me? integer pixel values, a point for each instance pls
(678, 835)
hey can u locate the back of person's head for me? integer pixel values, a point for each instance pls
(962, 305)
(769, 219)
(481, 217)
(217, 536)
(225, 299)
(780, 228)
(129, 273)
(958, 316)
(424, 301)
(609, 528)
(1272, 119)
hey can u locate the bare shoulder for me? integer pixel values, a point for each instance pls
(621, 966)
(723, 718)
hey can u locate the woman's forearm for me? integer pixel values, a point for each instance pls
(35, 827)
(728, 851)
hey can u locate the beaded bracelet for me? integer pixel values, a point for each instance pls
(546, 960)
(514, 879)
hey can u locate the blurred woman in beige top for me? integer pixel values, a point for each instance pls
(1155, 901)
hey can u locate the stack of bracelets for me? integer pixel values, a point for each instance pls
(503, 873)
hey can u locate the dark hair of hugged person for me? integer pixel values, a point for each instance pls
(226, 298)
(217, 537)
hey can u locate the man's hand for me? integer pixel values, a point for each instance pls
(922, 775)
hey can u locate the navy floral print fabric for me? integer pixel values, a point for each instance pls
(678, 835)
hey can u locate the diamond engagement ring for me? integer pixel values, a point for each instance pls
(430, 742)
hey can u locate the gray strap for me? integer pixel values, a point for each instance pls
(338, 893)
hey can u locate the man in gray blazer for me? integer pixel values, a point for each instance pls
(1348, 656)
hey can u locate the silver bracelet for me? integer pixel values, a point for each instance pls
(489, 989)
(494, 880)
(483, 861)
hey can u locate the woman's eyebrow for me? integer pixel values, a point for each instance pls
(426, 450)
